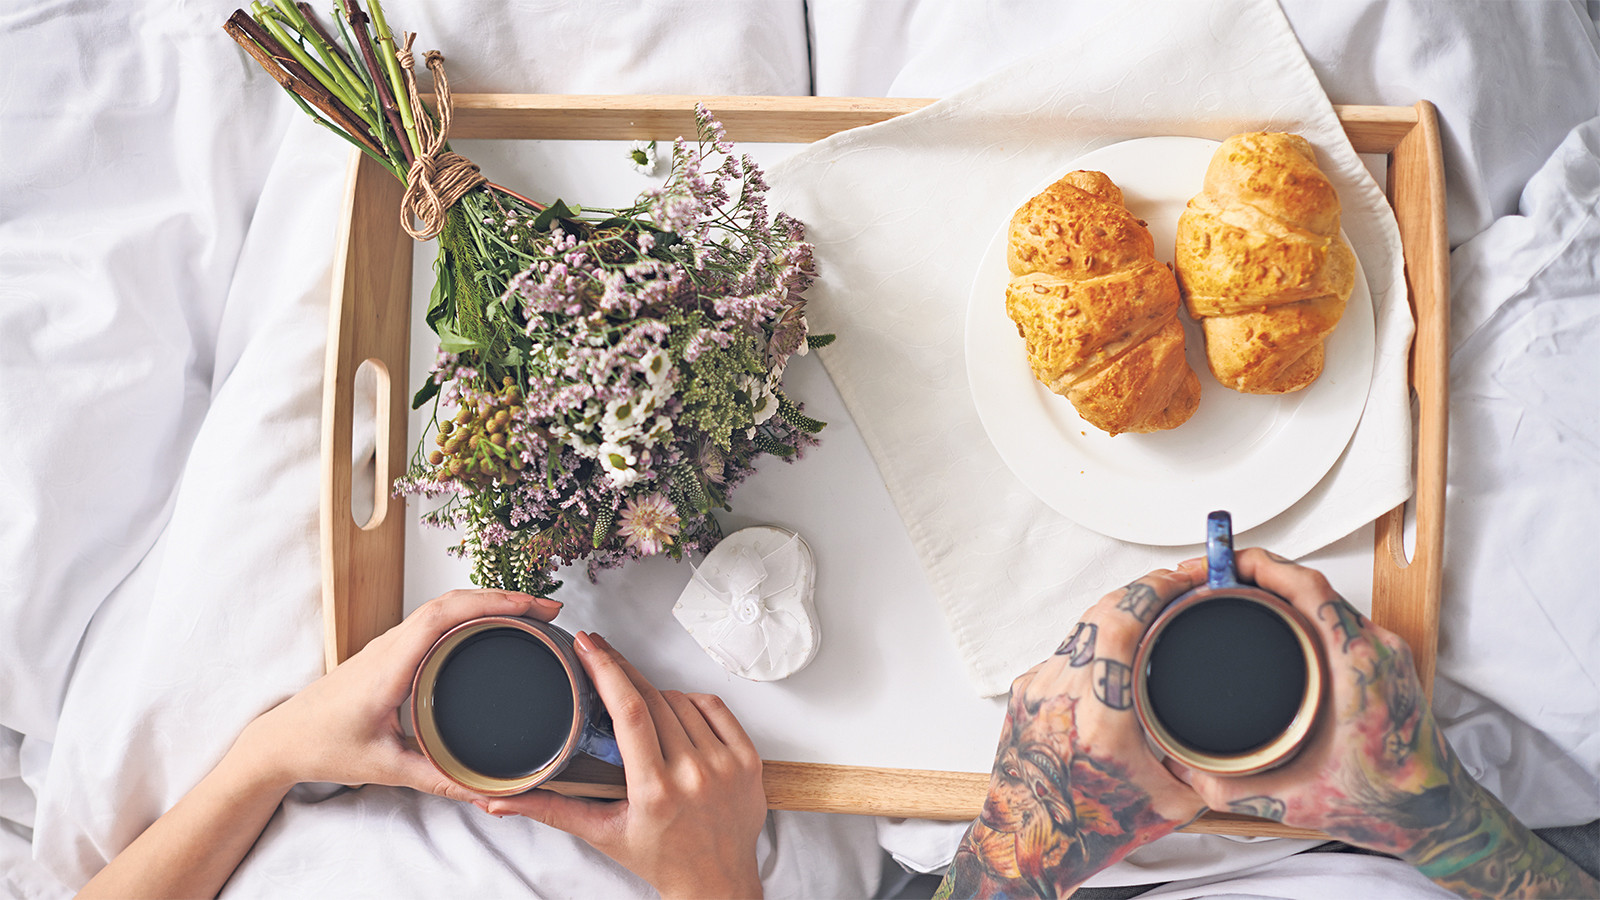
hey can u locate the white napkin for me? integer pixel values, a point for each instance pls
(901, 214)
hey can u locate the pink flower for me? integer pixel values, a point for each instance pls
(648, 523)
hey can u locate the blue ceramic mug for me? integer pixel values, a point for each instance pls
(501, 704)
(1229, 679)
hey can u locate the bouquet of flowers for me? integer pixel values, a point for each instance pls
(605, 377)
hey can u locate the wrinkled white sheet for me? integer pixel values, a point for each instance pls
(166, 224)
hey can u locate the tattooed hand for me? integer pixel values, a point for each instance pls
(1377, 772)
(1075, 786)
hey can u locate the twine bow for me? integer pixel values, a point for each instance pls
(438, 177)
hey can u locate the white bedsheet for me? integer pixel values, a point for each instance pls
(166, 224)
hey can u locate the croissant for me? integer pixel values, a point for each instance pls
(1262, 264)
(1098, 313)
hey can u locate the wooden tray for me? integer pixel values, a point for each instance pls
(363, 565)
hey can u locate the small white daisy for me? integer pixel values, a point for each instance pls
(643, 157)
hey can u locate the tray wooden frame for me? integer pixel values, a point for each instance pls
(363, 564)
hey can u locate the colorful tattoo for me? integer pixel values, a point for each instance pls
(1403, 791)
(1053, 816)
(1140, 601)
(1344, 618)
(1113, 683)
(1260, 806)
(1078, 648)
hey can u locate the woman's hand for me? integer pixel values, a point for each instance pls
(345, 727)
(1075, 785)
(695, 801)
(1377, 772)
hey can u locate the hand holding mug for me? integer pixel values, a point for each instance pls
(344, 728)
(695, 803)
(1075, 785)
(1375, 770)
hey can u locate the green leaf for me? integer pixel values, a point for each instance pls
(450, 342)
(664, 240)
(816, 341)
(443, 289)
(556, 210)
(428, 391)
(503, 513)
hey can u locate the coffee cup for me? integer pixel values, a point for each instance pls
(501, 704)
(1230, 677)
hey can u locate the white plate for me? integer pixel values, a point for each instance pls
(1252, 455)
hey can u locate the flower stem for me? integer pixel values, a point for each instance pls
(536, 205)
(382, 159)
(380, 83)
(285, 70)
(391, 67)
(301, 16)
(274, 23)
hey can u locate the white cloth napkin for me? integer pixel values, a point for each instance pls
(901, 214)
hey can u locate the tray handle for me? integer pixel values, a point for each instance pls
(1406, 594)
(371, 276)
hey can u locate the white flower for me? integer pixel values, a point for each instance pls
(763, 396)
(764, 401)
(643, 157)
(620, 463)
(775, 377)
(660, 430)
(592, 413)
(584, 443)
(657, 367)
(624, 416)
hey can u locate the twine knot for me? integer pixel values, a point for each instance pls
(438, 177)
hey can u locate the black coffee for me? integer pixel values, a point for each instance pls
(1226, 676)
(503, 703)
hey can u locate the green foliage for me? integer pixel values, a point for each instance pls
(687, 492)
(792, 414)
(709, 386)
(602, 525)
(767, 443)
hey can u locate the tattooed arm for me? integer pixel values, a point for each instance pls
(1075, 786)
(1378, 772)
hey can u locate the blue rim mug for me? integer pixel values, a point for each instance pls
(588, 731)
(1242, 655)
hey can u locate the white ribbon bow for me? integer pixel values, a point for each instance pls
(747, 628)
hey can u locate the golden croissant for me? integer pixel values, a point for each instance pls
(1262, 264)
(1099, 314)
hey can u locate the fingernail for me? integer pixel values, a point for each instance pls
(585, 642)
(548, 603)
